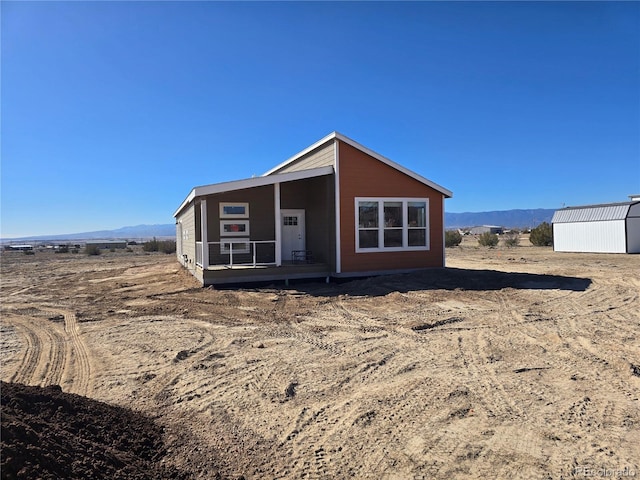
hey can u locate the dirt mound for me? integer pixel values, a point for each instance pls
(50, 434)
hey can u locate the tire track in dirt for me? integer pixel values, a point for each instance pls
(573, 354)
(19, 290)
(154, 377)
(79, 359)
(25, 370)
(295, 332)
(574, 317)
(44, 357)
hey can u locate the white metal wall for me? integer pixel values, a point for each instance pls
(596, 237)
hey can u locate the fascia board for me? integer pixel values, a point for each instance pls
(186, 202)
(252, 183)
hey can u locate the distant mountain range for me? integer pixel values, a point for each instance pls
(502, 218)
(138, 232)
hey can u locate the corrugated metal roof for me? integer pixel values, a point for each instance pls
(594, 213)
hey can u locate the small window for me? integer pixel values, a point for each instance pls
(234, 228)
(290, 220)
(241, 245)
(234, 210)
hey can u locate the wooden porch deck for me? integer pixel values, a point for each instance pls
(221, 274)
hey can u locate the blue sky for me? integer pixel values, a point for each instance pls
(112, 111)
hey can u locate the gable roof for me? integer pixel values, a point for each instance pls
(593, 213)
(277, 175)
(338, 136)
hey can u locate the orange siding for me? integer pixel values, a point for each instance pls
(364, 176)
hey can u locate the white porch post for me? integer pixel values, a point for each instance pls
(203, 234)
(336, 176)
(276, 196)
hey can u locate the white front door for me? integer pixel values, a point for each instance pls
(292, 232)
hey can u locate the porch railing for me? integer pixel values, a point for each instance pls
(238, 253)
(199, 253)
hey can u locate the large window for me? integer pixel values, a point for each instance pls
(391, 224)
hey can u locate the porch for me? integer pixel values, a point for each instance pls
(238, 261)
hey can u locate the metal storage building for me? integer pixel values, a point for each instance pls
(486, 228)
(606, 228)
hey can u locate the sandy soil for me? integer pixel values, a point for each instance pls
(512, 363)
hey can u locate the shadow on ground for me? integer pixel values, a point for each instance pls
(440, 279)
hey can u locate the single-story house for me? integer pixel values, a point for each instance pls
(335, 209)
(606, 228)
(486, 229)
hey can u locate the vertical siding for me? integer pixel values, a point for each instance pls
(323, 156)
(634, 210)
(596, 237)
(187, 217)
(364, 176)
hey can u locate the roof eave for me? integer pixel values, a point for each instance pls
(251, 183)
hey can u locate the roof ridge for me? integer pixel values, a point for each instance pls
(600, 205)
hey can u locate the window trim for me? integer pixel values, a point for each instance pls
(234, 215)
(405, 224)
(225, 245)
(234, 234)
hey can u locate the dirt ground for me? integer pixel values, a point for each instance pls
(511, 363)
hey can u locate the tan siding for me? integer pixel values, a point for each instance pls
(321, 157)
(188, 220)
(363, 176)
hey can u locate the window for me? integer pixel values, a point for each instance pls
(231, 226)
(240, 245)
(417, 227)
(368, 224)
(391, 224)
(234, 210)
(290, 220)
(234, 228)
